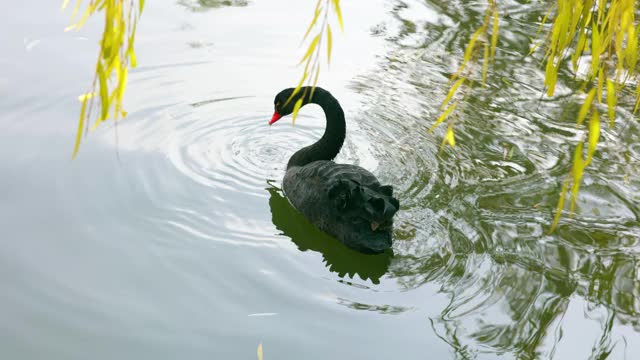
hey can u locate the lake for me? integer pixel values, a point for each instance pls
(169, 236)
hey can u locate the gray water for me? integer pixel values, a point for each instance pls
(169, 237)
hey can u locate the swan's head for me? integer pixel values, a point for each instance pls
(283, 104)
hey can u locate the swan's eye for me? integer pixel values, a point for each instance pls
(277, 105)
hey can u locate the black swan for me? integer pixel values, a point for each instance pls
(345, 201)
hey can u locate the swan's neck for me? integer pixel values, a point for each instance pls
(329, 145)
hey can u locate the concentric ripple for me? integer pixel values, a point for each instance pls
(235, 154)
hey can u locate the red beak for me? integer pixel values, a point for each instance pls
(276, 116)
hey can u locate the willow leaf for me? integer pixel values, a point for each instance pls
(544, 19)
(582, 41)
(104, 96)
(595, 50)
(336, 5)
(76, 8)
(577, 173)
(312, 47)
(444, 116)
(133, 60)
(329, 44)
(611, 101)
(296, 108)
(122, 82)
(594, 135)
(297, 89)
(315, 80)
(471, 45)
(452, 91)
(83, 111)
(449, 136)
(86, 96)
(313, 21)
(631, 51)
(494, 34)
(600, 86)
(584, 109)
(551, 76)
(131, 54)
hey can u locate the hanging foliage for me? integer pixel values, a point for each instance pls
(608, 31)
(482, 45)
(116, 56)
(311, 58)
(605, 30)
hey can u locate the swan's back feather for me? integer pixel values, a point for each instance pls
(345, 201)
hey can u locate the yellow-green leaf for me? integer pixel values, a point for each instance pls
(452, 91)
(551, 76)
(601, 7)
(133, 60)
(584, 109)
(534, 47)
(336, 4)
(611, 101)
(315, 80)
(83, 110)
(544, 19)
(297, 89)
(329, 44)
(86, 96)
(114, 64)
(313, 21)
(90, 10)
(471, 45)
(104, 96)
(577, 173)
(594, 135)
(494, 34)
(444, 116)
(64, 4)
(631, 51)
(76, 8)
(582, 40)
(595, 50)
(312, 47)
(600, 85)
(450, 137)
(122, 81)
(296, 108)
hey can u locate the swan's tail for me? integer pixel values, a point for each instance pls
(376, 205)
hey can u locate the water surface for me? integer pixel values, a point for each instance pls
(173, 239)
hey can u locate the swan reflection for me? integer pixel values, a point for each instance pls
(337, 257)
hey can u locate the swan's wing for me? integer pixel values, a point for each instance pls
(342, 190)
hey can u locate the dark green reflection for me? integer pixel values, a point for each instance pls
(338, 258)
